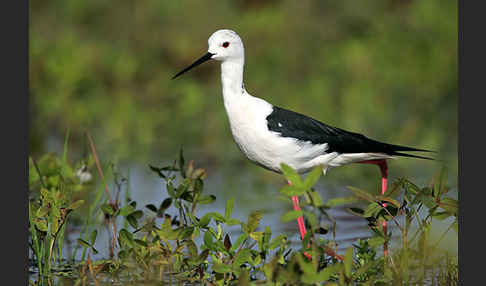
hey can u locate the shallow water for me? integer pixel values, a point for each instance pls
(147, 188)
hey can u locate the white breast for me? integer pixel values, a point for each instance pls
(247, 117)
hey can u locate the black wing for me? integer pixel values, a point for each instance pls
(292, 124)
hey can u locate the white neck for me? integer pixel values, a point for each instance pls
(232, 80)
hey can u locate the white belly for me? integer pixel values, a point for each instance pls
(264, 147)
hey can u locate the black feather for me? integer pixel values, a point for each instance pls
(301, 127)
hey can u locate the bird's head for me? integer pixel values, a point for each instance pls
(223, 45)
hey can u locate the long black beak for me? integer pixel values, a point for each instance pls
(203, 59)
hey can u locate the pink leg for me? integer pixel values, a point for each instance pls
(303, 231)
(300, 220)
(384, 178)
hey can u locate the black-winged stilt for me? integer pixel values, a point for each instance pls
(269, 135)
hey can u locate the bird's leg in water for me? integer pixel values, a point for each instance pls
(300, 222)
(384, 178)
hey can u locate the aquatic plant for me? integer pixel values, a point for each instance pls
(148, 245)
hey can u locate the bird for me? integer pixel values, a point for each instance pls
(269, 135)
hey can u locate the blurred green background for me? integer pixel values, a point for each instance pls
(387, 69)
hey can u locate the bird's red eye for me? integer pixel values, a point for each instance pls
(225, 44)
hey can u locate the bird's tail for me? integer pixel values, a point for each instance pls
(396, 150)
(412, 156)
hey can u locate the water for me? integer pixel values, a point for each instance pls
(250, 194)
(147, 188)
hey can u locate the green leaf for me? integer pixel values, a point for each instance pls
(424, 198)
(158, 171)
(141, 242)
(204, 200)
(410, 187)
(107, 209)
(310, 278)
(242, 257)
(316, 199)
(372, 210)
(198, 185)
(362, 194)
(292, 190)
(211, 215)
(151, 207)
(312, 178)
(203, 255)
(132, 221)
(440, 182)
(311, 218)
(191, 247)
(137, 214)
(176, 233)
(238, 242)
(291, 215)
(254, 220)
(64, 155)
(355, 211)
(208, 239)
(163, 206)
(83, 242)
(306, 266)
(267, 234)
(229, 208)
(42, 211)
(125, 237)
(186, 232)
(291, 175)
(126, 210)
(41, 224)
(278, 240)
(92, 237)
(244, 278)
(449, 204)
(123, 254)
(232, 221)
(348, 262)
(205, 220)
(306, 240)
(76, 204)
(254, 261)
(394, 189)
(326, 273)
(181, 189)
(221, 268)
(257, 236)
(340, 201)
(376, 241)
(389, 200)
(441, 215)
(181, 163)
(323, 276)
